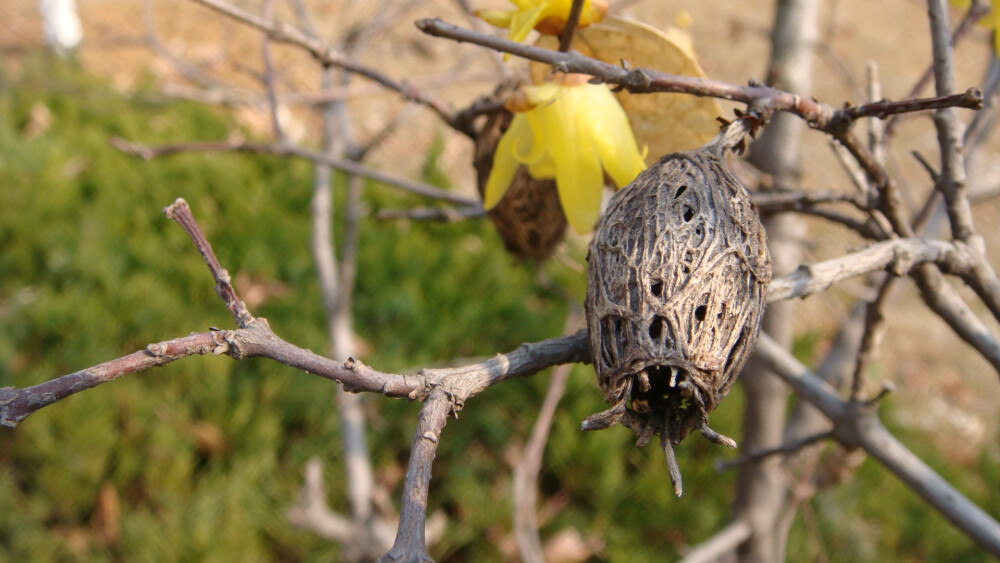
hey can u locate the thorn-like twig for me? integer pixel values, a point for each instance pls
(351, 167)
(572, 22)
(179, 212)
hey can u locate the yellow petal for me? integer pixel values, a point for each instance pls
(531, 149)
(613, 139)
(504, 164)
(523, 21)
(496, 18)
(579, 178)
(664, 122)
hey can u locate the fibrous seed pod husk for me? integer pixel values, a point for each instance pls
(529, 218)
(677, 278)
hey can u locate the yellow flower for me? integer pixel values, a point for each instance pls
(547, 16)
(571, 131)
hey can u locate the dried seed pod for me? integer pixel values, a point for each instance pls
(677, 277)
(529, 218)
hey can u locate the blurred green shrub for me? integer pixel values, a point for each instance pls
(199, 460)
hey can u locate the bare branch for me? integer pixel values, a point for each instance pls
(951, 180)
(181, 214)
(269, 75)
(720, 544)
(784, 449)
(443, 214)
(258, 340)
(640, 80)
(897, 255)
(418, 188)
(857, 425)
(526, 472)
(572, 21)
(312, 513)
(970, 99)
(17, 404)
(285, 33)
(795, 201)
(410, 544)
(977, 9)
(872, 338)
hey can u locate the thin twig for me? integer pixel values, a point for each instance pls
(951, 180)
(857, 425)
(977, 10)
(526, 472)
(419, 188)
(269, 75)
(285, 33)
(640, 80)
(872, 338)
(180, 213)
(17, 404)
(572, 21)
(970, 99)
(258, 340)
(783, 449)
(410, 544)
(442, 214)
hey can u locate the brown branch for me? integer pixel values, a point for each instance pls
(269, 79)
(418, 188)
(572, 21)
(256, 339)
(951, 180)
(977, 10)
(526, 472)
(179, 212)
(970, 99)
(640, 80)
(936, 292)
(636, 80)
(784, 450)
(17, 404)
(798, 200)
(410, 544)
(285, 33)
(312, 513)
(872, 338)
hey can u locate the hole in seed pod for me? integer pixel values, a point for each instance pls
(699, 312)
(680, 191)
(534, 240)
(688, 214)
(656, 328)
(656, 288)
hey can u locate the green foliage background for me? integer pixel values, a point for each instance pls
(206, 454)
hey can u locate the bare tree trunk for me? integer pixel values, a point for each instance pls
(761, 490)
